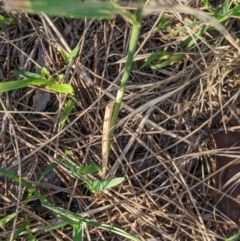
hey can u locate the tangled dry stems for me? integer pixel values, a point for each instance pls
(163, 151)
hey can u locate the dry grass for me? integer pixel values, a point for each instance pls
(163, 149)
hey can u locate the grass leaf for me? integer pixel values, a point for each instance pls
(77, 232)
(66, 112)
(92, 168)
(106, 184)
(13, 85)
(70, 8)
(56, 226)
(47, 170)
(73, 53)
(64, 55)
(19, 230)
(61, 88)
(27, 75)
(8, 218)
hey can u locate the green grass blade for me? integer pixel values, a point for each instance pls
(233, 237)
(92, 168)
(74, 169)
(57, 226)
(131, 51)
(151, 58)
(64, 55)
(70, 8)
(47, 170)
(77, 232)
(27, 75)
(73, 53)
(61, 212)
(167, 62)
(106, 184)
(15, 178)
(8, 218)
(19, 230)
(13, 85)
(67, 110)
(61, 88)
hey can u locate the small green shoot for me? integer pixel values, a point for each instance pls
(66, 112)
(93, 186)
(78, 232)
(69, 57)
(44, 73)
(158, 60)
(29, 234)
(164, 24)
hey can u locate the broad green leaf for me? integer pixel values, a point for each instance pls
(66, 112)
(13, 85)
(106, 184)
(77, 232)
(8, 218)
(73, 53)
(61, 88)
(89, 169)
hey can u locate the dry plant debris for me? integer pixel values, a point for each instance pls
(163, 151)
